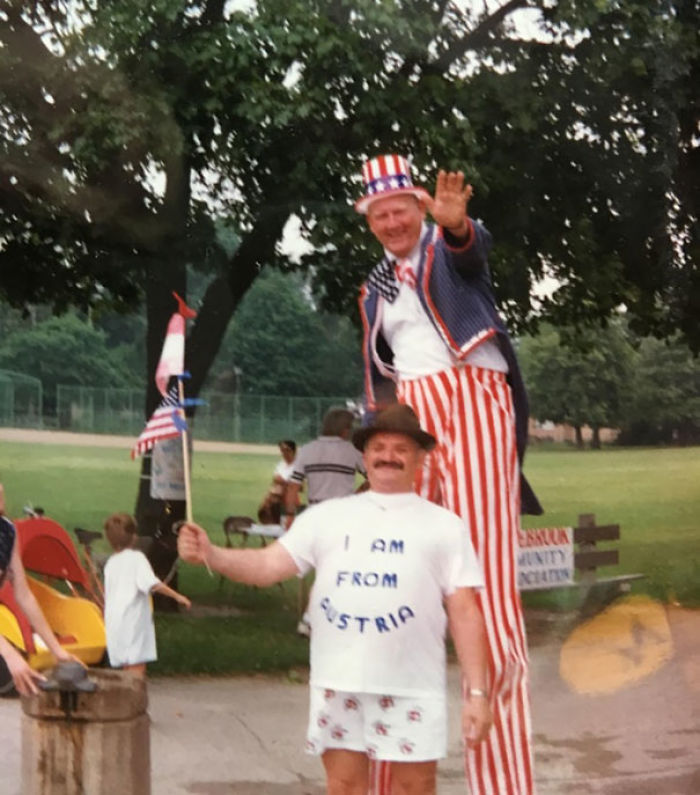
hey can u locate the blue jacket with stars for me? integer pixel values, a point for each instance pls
(454, 289)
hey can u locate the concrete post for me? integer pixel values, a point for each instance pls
(76, 743)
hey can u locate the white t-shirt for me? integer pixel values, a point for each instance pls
(283, 469)
(131, 636)
(384, 563)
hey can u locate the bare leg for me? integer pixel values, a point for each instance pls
(138, 670)
(347, 772)
(413, 778)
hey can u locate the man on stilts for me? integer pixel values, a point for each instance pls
(434, 340)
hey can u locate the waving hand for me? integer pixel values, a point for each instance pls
(449, 206)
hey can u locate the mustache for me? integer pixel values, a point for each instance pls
(390, 464)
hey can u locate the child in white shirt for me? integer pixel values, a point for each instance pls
(129, 582)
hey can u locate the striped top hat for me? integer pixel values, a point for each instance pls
(386, 175)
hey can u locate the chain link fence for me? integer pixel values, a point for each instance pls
(20, 400)
(256, 419)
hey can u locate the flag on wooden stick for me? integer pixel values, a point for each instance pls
(168, 420)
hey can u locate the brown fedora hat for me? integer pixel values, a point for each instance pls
(397, 418)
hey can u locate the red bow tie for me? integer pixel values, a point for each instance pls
(404, 273)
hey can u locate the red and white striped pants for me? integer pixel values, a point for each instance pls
(474, 472)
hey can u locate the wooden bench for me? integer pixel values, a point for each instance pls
(596, 591)
(245, 527)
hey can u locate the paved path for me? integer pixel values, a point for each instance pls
(639, 736)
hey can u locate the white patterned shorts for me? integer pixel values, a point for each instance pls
(395, 728)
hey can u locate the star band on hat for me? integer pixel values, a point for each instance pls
(386, 175)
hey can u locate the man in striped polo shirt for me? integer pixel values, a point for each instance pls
(434, 340)
(328, 465)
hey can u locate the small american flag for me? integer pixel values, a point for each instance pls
(165, 423)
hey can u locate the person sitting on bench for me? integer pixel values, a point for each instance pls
(270, 510)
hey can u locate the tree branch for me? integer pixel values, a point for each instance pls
(475, 38)
(225, 292)
(109, 205)
(213, 12)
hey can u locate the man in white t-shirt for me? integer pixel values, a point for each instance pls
(434, 340)
(328, 464)
(392, 572)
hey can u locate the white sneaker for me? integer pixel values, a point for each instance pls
(303, 628)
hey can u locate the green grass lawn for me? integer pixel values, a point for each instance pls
(81, 486)
(654, 494)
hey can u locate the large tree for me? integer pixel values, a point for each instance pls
(280, 345)
(128, 127)
(579, 378)
(63, 350)
(647, 388)
(664, 401)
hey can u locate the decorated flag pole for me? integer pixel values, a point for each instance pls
(169, 421)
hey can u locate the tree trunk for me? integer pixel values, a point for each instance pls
(225, 292)
(595, 439)
(579, 437)
(155, 518)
